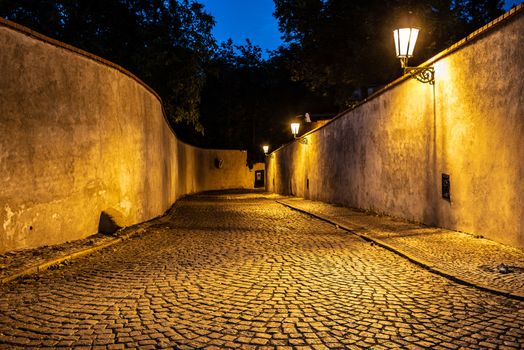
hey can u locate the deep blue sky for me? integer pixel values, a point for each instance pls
(242, 19)
(253, 19)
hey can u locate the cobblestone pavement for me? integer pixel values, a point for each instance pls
(29, 261)
(250, 273)
(473, 259)
(14, 262)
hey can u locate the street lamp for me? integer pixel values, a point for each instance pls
(266, 150)
(405, 40)
(294, 129)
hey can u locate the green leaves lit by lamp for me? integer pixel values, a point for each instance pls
(294, 129)
(405, 40)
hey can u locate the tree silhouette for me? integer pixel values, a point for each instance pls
(228, 96)
(337, 46)
(166, 43)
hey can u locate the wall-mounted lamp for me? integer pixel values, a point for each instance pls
(294, 129)
(405, 40)
(266, 150)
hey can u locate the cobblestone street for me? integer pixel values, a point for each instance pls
(241, 271)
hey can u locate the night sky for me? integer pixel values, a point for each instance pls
(241, 19)
(253, 19)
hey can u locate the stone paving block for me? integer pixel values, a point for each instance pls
(468, 257)
(250, 273)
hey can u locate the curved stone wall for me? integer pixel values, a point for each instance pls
(80, 135)
(388, 154)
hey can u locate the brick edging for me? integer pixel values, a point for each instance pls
(411, 258)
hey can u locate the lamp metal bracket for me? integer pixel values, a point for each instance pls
(422, 74)
(301, 140)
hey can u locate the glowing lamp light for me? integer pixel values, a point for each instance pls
(405, 40)
(294, 128)
(265, 148)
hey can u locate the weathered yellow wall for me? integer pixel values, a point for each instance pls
(79, 136)
(388, 154)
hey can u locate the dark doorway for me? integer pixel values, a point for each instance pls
(259, 178)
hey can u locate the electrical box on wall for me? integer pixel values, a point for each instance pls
(446, 187)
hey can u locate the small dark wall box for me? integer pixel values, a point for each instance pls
(446, 187)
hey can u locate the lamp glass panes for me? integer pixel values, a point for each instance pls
(405, 40)
(294, 128)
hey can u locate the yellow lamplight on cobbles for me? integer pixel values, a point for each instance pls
(405, 40)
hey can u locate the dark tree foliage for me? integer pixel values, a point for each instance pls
(248, 101)
(227, 96)
(166, 43)
(337, 46)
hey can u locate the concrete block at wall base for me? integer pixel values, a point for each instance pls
(111, 220)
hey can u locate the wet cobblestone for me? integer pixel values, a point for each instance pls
(465, 256)
(248, 273)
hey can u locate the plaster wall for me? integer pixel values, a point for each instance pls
(80, 135)
(388, 154)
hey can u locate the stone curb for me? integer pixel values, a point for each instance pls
(35, 269)
(135, 230)
(410, 257)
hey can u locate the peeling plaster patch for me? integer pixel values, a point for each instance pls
(94, 187)
(125, 206)
(8, 222)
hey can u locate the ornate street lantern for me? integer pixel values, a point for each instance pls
(294, 129)
(405, 40)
